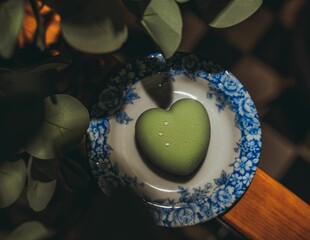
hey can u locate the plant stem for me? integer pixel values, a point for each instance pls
(40, 33)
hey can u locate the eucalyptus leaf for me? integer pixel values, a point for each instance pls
(12, 179)
(98, 28)
(163, 21)
(63, 127)
(235, 12)
(39, 193)
(11, 21)
(32, 230)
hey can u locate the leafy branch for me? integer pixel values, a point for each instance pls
(47, 145)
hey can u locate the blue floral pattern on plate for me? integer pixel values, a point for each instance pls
(194, 205)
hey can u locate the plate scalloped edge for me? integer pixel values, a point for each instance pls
(199, 204)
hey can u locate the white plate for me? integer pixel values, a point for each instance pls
(233, 152)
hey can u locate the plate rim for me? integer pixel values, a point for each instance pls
(183, 213)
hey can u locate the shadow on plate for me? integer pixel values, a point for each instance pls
(159, 88)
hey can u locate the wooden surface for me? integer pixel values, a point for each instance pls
(268, 210)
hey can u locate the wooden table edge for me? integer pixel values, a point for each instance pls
(268, 210)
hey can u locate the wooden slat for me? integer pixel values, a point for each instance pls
(268, 210)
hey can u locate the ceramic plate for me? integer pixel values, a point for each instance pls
(234, 148)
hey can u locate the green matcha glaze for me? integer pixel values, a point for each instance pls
(176, 140)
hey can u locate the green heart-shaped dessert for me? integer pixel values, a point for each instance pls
(176, 140)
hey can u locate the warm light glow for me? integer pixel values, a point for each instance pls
(52, 29)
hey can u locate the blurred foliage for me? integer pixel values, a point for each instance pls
(11, 20)
(12, 178)
(32, 230)
(97, 28)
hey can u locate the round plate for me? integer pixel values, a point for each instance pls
(233, 152)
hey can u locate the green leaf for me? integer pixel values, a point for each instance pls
(39, 193)
(32, 230)
(182, 1)
(63, 127)
(11, 21)
(163, 21)
(12, 179)
(98, 28)
(235, 12)
(44, 170)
